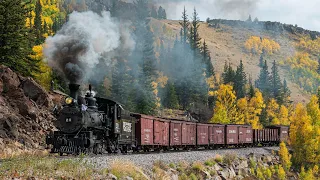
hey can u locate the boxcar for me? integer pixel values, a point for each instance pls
(144, 129)
(202, 134)
(245, 134)
(161, 132)
(189, 134)
(216, 134)
(175, 133)
(232, 134)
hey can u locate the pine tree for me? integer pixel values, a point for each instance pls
(146, 100)
(171, 100)
(38, 23)
(162, 13)
(185, 26)
(195, 36)
(276, 83)
(154, 13)
(251, 88)
(285, 92)
(14, 38)
(263, 82)
(120, 82)
(240, 81)
(206, 58)
(261, 62)
(229, 74)
(249, 19)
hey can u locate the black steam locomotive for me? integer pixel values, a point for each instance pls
(91, 125)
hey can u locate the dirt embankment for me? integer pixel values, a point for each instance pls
(25, 113)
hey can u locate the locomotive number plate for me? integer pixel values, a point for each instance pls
(126, 127)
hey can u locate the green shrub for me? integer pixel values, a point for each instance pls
(183, 176)
(210, 162)
(218, 159)
(229, 158)
(197, 166)
(193, 177)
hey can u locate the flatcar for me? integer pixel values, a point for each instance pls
(98, 125)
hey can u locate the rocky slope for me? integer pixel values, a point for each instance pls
(25, 112)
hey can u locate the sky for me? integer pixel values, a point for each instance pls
(304, 13)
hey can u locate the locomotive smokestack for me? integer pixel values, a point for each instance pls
(74, 88)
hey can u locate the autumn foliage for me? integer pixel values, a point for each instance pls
(257, 45)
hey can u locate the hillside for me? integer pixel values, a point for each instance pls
(226, 43)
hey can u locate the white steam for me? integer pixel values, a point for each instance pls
(85, 41)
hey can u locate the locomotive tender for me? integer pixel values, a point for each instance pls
(98, 125)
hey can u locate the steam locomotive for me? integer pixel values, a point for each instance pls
(98, 125)
(91, 125)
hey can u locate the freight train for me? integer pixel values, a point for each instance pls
(97, 125)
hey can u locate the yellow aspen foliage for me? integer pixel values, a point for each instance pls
(283, 116)
(44, 78)
(314, 111)
(256, 46)
(285, 156)
(242, 109)
(272, 111)
(281, 173)
(306, 175)
(315, 170)
(225, 103)
(309, 45)
(301, 132)
(255, 106)
(162, 80)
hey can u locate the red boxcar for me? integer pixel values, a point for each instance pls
(175, 133)
(188, 133)
(202, 134)
(232, 134)
(245, 134)
(161, 132)
(144, 129)
(216, 134)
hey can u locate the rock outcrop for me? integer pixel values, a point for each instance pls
(25, 111)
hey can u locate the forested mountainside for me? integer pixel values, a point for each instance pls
(218, 71)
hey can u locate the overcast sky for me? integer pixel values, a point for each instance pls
(304, 13)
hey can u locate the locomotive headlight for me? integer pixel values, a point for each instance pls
(69, 100)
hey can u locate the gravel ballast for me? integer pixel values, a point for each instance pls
(147, 160)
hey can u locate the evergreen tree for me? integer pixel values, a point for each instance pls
(206, 58)
(14, 38)
(38, 23)
(145, 101)
(195, 36)
(162, 13)
(171, 100)
(240, 81)
(185, 26)
(276, 83)
(154, 13)
(228, 75)
(249, 19)
(120, 82)
(251, 88)
(285, 92)
(45, 28)
(261, 62)
(263, 82)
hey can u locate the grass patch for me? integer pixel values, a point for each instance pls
(198, 166)
(122, 169)
(229, 158)
(210, 162)
(218, 159)
(45, 167)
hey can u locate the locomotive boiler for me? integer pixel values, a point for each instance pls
(91, 125)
